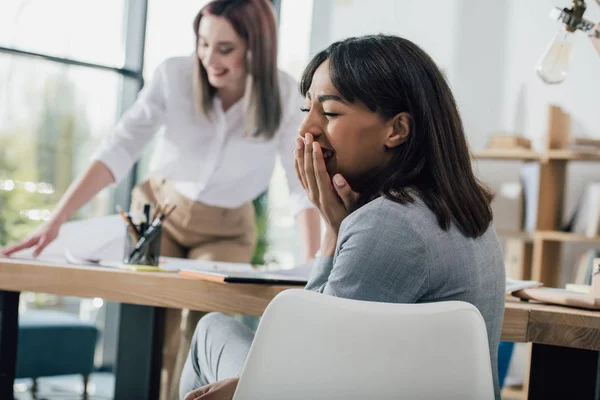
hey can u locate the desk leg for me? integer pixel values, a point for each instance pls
(563, 373)
(139, 352)
(9, 333)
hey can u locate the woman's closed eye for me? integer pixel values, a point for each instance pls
(226, 50)
(325, 113)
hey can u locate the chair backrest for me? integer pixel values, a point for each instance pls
(314, 346)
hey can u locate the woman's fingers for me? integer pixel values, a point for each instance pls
(27, 243)
(320, 171)
(299, 162)
(43, 242)
(343, 189)
(311, 181)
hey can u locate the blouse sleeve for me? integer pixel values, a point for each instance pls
(135, 129)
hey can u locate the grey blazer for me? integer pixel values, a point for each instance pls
(397, 253)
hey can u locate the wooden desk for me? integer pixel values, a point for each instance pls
(564, 339)
(565, 361)
(143, 297)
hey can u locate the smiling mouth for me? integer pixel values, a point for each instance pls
(217, 74)
(327, 154)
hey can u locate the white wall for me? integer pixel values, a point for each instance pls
(413, 19)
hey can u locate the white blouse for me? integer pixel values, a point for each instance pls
(210, 161)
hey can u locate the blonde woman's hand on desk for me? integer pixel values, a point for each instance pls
(222, 390)
(94, 179)
(39, 239)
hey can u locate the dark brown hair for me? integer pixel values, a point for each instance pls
(391, 75)
(254, 21)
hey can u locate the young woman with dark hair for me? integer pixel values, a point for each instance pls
(225, 112)
(383, 155)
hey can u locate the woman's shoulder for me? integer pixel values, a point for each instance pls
(385, 215)
(177, 65)
(387, 211)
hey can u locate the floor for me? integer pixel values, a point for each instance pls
(100, 387)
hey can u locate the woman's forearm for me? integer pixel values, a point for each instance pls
(309, 226)
(82, 190)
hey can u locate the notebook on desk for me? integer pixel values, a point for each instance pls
(254, 277)
(245, 273)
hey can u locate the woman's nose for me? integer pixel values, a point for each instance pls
(309, 126)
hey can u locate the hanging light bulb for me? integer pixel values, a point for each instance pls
(553, 67)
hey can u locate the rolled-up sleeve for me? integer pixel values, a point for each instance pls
(136, 128)
(288, 132)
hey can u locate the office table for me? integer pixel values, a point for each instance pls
(565, 341)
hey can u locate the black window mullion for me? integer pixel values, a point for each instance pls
(135, 36)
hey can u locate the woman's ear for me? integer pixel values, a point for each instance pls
(400, 130)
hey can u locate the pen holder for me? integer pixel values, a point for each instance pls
(146, 254)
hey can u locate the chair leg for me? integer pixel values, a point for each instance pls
(86, 379)
(34, 388)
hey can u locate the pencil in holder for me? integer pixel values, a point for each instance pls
(143, 251)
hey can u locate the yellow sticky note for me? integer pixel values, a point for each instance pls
(143, 268)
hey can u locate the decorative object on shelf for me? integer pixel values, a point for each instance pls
(508, 142)
(586, 218)
(553, 67)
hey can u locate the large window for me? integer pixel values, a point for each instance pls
(62, 80)
(68, 69)
(91, 31)
(52, 117)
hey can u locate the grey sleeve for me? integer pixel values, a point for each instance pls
(379, 256)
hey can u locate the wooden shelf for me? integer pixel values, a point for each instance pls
(558, 236)
(508, 154)
(527, 236)
(530, 155)
(550, 236)
(572, 155)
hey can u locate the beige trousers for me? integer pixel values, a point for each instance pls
(195, 231)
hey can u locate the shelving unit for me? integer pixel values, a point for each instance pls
(542, 248)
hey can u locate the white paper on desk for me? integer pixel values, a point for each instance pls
(183, 264)
(171, 263)
(513, 285)
(301, 271)
(99, 239)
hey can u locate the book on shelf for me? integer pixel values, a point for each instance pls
(586, 217)
(530, 179)
(507, 206)
(582, 273)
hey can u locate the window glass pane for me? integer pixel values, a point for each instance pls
(90, 31)
(52, 118)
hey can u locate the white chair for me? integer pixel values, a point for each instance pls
(313, 346)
